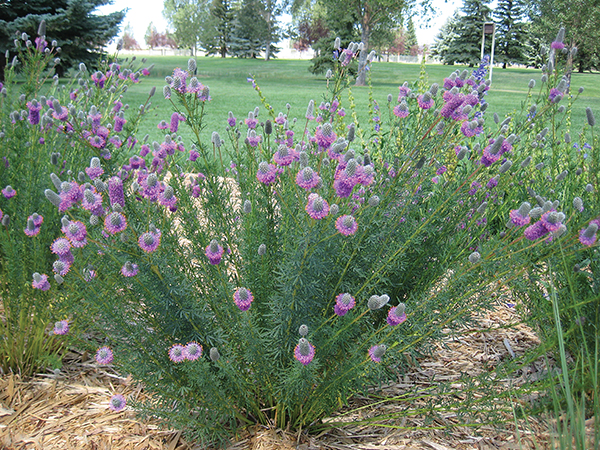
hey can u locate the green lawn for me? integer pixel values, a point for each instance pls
(289, 81)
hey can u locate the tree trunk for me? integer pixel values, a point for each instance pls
(361, 77)
(269, 27)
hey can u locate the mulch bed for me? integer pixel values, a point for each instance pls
(68, 409)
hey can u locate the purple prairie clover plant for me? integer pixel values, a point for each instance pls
(115, 222)
(304, 351)
(104, 355)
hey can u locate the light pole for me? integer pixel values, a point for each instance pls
(489, 28)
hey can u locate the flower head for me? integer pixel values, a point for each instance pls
(317, 207)
(60, 246)
(396, 315)
(346, 225)
(176, 353)
(104, 355)
(266, 173)
(117, 402)
(344, 303)
(149, 241)
(243, 298)
(9, 192)
(307, 178)
(376, 352)
(76, 232)
(61, 327)
(115, 222)
(304, 351)
(192, 351)
(520, 217)
(587, 236)
(214, 252)
(40, 281)
(129, 269)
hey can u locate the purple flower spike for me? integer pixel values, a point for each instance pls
(9, 192)
(267, 173)
(587, 236)
(129, 269)
(149, 241)
(104, 355)
(214, 252)
(535, 231)
(76, 232)
(376, 352)
(304, 351)
(396, 315)
(551, 221)
(317, 207)
(176, 353)
(60, 246)
(243, 298)
(61, 327)
(520, 217)
(346, 225)
(117, 403)
(115, 222)
(115, 191)
(40, 281)
(344, 303)
(307, 178)
(192, 351)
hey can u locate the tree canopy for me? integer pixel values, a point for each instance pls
(79, 32)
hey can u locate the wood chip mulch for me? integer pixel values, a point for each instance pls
(68, 409)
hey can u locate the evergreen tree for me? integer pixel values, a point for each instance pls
(79, 32)
(466, 45)
(249, 30)
(216, 36)
(443, 42)
(411, 44)
(510, 33)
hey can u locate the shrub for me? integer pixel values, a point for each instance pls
(40, 134)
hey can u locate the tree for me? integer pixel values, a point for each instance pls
(581, 19)
(254, 30)
(412, 44)
(369, 14)
(79, 32)
(154, 38)
(510, 32)
(443, 42)
(188, 18)
(465, 44)
(217, 34)
(129, 42)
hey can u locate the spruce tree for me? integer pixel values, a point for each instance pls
(249, 30)
(79, 32)
(510, 32)
(466, 46)
(443, 42)
(216, 37)
(411, 44)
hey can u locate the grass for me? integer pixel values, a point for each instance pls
(289, 81)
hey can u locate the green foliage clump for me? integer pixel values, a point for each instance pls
(40, 134)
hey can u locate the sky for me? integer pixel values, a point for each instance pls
(141, 13)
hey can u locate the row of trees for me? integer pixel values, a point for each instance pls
(247, 28)
(522, 27)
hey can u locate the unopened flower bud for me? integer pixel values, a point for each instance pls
(214, 354)
(474, 257)
(247, 207)
(262, 249)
